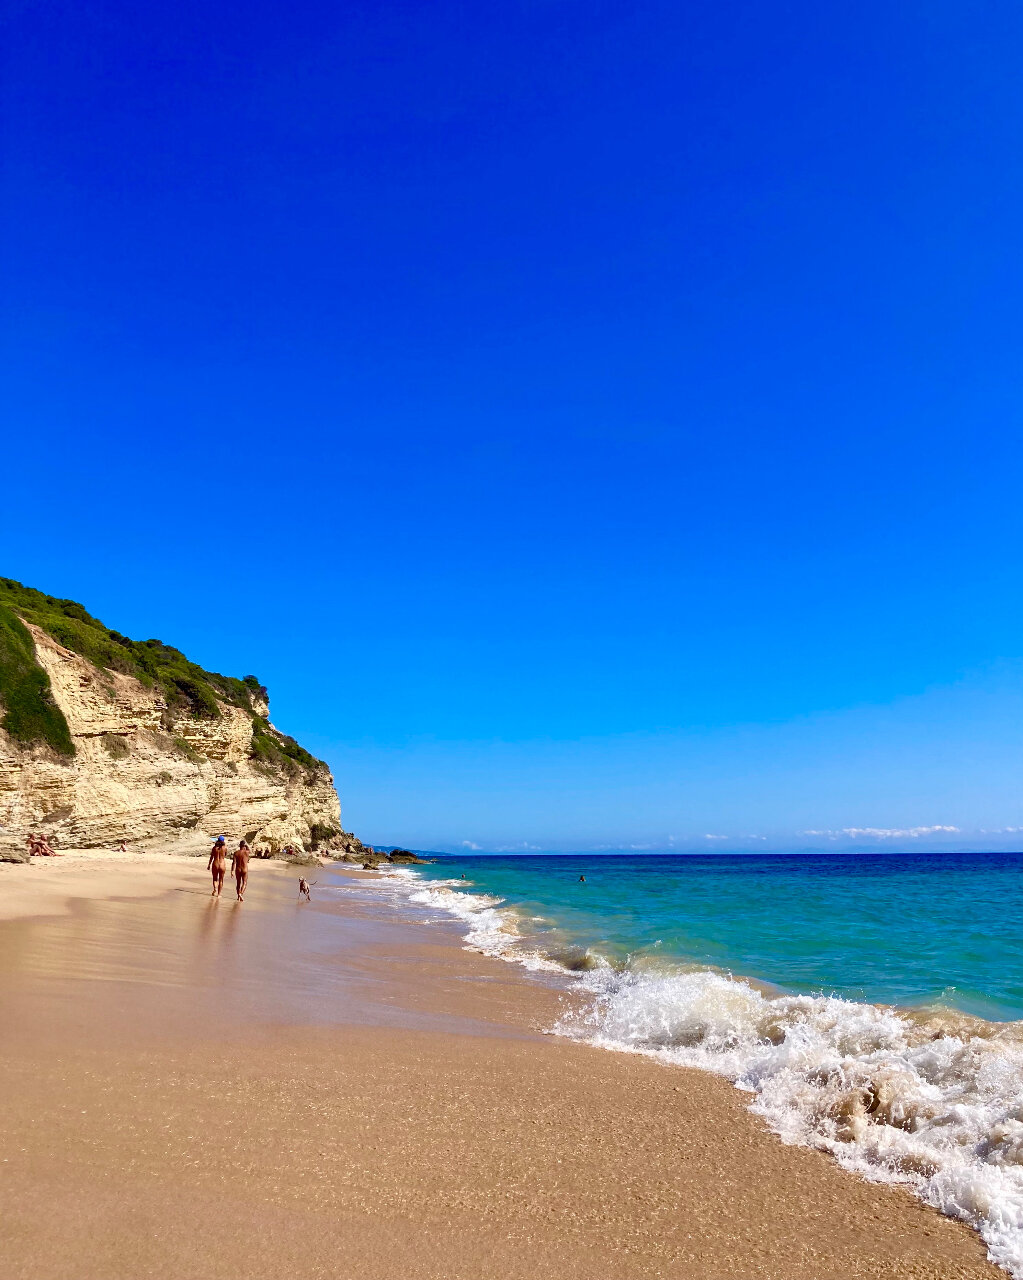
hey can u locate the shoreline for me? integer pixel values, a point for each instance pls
(404, 1113)
(927, 1098)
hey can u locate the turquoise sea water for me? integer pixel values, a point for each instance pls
(908, 929)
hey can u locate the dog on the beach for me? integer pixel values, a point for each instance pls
(303, 889)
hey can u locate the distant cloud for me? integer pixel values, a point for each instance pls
(673, 842)
(881, 833)
(469, 844)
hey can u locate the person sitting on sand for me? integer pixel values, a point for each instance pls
(218, 865)
(240, 867)
(44, 848)
(122, 847)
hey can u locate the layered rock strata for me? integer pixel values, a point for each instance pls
(143, 776)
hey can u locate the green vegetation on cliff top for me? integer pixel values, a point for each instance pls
(31, 715)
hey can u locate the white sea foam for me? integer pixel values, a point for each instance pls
(488, 928)
(935, 1102)
(491, 926)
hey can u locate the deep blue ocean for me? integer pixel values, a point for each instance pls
(906, 929)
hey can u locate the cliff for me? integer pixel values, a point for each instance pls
(104, 739)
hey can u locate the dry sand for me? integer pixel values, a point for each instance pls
(197, 1089)
(47, 886)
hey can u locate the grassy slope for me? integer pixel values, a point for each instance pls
(31, 715)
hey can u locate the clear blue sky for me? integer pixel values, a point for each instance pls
(599, 424)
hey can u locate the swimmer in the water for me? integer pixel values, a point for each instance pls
(582, 879)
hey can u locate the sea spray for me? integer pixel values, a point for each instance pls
(888, 1097)
(929, 1099)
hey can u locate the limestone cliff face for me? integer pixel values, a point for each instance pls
(138, 776)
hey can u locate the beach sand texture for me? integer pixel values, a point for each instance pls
(197, 1089)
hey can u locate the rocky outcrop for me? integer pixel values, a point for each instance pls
(143, 775)
(402, 856)
(369, 858)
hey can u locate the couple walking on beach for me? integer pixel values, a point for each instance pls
(239, 866)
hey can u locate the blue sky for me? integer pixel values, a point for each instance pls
(598, 424)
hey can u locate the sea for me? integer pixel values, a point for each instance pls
(870, 1005)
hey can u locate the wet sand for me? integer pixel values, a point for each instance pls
(205, 1090)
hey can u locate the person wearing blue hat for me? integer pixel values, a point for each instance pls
(218, 865)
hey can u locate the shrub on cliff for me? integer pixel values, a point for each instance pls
(321, 833)
(277, 750)
(30, 714)
(194, 697)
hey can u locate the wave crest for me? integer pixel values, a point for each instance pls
(891, 1097)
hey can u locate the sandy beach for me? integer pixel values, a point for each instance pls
(201, 1089)
(48, 886)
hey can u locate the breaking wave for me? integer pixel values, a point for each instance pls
(492, 927)
(934, 1101)
(929, 1098)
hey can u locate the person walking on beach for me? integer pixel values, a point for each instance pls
(218, 865)
(240, 867)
